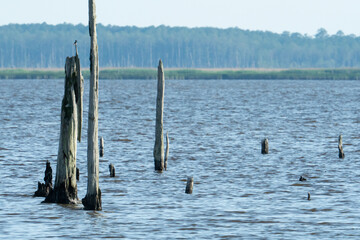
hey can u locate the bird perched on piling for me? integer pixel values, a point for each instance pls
(75, 43)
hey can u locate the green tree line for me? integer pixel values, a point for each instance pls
(47, 46)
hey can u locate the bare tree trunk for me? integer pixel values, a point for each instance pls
(92, 200)
(65, 188)
(159, 131)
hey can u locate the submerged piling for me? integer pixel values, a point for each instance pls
(65, 188)
(159, 131)
(92, 200)
(101, 147)
(189, 185)
(112, 170)
(341, 151)
(265, 146)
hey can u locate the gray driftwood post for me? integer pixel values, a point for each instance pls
(101, 147)
(65, 188)
(265, 146)
(92, 200)
(159, 131)
(189, 185)
(167, 150)
(341, 151)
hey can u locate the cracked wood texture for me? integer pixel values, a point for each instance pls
(65, 188)
(159, 131)
(92, 200)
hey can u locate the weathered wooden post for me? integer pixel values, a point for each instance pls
(101, 147)
(341, 151)
(167, 150)
(45, 188)
(92, 200)
(112, 170)
(159, 131)
(265, 146)
(189, 185)
(65, 188)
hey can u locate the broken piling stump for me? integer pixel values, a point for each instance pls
(112, 170)
(341, 151)
(265, 146)
(189, 185)
(65, 188)
(92, 200)
(45, 188)
(101, 147)
(159, 131)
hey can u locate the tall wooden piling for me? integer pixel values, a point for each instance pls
(159, 131)
(92, 200)
(189, 185)
(265, 146)
(65, 188)
(340, 146)
(167, 150)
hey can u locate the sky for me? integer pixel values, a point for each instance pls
(303, 16)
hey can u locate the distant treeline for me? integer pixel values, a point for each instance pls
(47, 46)
(201, 74)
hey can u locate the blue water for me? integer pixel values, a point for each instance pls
(215, 130)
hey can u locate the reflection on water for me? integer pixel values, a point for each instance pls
(215, 130)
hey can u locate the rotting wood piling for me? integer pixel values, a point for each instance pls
(159, 131)
(65, 188)
(92, 200)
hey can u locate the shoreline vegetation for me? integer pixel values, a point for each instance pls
(192, 73)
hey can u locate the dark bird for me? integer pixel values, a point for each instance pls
(308, 196)
(302, 179)
(75, 43)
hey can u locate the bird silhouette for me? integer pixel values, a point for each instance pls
(302, 178)
(75, 43)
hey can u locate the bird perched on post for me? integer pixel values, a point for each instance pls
(75, 43)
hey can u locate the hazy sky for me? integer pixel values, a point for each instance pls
(304, 16)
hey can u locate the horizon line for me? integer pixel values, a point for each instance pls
(188, 27)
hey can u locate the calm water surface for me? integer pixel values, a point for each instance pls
(215, 130)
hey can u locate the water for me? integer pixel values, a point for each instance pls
(215, 130)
